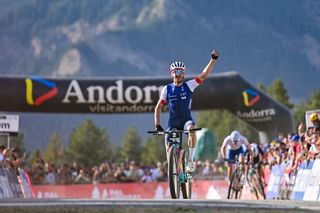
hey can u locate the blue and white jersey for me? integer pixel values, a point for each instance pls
(179, 99)
(242, 142)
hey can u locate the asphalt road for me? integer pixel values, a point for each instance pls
(167, 206)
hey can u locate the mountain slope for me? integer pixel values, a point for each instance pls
(262, 40)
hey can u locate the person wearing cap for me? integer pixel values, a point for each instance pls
(314, 118)
(294, 152)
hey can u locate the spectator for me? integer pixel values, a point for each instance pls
(156, 172)
(207, 170)
(96, 175)
(105, 172)
(119, 174)
(51, 174)
(64, 174)
(147, 177)
(2, 148)
(82, 177)
(134, 174)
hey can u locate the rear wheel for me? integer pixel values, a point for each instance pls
(258, 186)
(173, 176)
(186, 186)
(261, 188)
(240, 186)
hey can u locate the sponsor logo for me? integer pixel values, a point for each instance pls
(250, 97)
(4, 126)
(257, 115)
(114, 98)
(42, 98)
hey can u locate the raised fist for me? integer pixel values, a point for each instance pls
(215, 54)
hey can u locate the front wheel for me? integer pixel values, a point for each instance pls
(233, 187)
(173, 176)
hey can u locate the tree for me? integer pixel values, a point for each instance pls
(54, 153)
(36, 157)
(314, 100)
(131, 146)
(312, 103)
(89, 145)
(223, 122)
(261, 87)
(278, 91)
(153, 150)
(16, 142)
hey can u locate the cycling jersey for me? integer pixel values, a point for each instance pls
(256, 151)
(233, 146)
(179, 99)
(234, 149)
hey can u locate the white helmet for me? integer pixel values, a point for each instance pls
(177, 65)
(235, 136)
(254, 149)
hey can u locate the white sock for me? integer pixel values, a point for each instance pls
(191, 154)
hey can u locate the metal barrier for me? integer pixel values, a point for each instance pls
(302, 184)
(13, 185)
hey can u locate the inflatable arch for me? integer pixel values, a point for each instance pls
(139, 95)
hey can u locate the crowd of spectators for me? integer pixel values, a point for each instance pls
(112, 172)
(42, 172)
(294, 148)
(291, 148)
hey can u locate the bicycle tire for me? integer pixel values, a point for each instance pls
(186, 186)
(240, 186)
(258, 186)
(261, 188)
(173, 176)
(231, 188)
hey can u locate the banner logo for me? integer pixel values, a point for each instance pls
(250, 97)
(42, 98)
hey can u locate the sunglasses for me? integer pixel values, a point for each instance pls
(177, 72)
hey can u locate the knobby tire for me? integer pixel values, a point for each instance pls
(174, 179)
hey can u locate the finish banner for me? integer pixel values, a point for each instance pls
(140, 95)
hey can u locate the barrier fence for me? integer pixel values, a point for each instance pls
(302, 184)
(13, 185)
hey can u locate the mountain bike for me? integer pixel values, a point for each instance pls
(178, 176)
(237, 179)
(255, 183)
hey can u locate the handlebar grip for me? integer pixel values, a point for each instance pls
(195, 129)
(156, 132)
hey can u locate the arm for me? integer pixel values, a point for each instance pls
(223, 150)
(157, 110)
(157, 113)
(208, 69)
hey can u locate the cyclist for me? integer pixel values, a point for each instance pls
(178, 95)
(257, 162)
(234, 145)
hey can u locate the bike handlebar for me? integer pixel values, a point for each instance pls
(155, 132)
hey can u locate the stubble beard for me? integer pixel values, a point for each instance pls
(178, 80)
